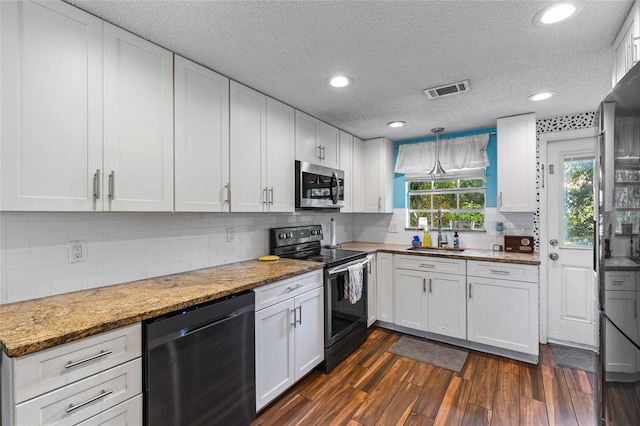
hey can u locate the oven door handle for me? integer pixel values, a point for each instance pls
(337, 193)
(345, 268)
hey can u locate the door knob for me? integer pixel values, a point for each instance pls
(553, 242)
(554, 256)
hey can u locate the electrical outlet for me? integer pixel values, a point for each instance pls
(231, 235)
(77, 251)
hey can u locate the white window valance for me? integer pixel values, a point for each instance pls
(464, 156)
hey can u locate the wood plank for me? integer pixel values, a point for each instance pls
(285, 410)
(470, 366)
(417, 419)
(338, 409)
(348, 409)
(533, 412)
(622, 405)
(454, 403)
(558, 400)
(531, 382)
(376, 372)
(476, 415)
(509, 365)
(484, 383)
(400, 405)
(433, 391)
(506, 403)
(419, 374)
(372, 352)
(546, 356)
(577, 379)
(583, 404)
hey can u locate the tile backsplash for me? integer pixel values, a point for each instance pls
(122, 247)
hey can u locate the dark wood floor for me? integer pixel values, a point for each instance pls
(376, 387)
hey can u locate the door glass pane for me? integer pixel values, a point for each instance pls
(578, 202)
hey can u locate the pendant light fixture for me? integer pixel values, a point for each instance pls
(437, 170)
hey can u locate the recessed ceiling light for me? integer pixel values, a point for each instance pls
(557, 12)
(340, 81)
(541, 96)
(396, 124)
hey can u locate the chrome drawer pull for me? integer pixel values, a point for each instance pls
(499, 272)
(102, 353)
(103, 393)
(290, 289)
(427, 265)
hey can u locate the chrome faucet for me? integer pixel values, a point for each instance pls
(442, 239)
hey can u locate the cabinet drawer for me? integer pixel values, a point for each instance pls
(431, 264)
(43, 371)
(81, 400)
(273, 293)
(127, 413)
(620, 280)
(505, 271)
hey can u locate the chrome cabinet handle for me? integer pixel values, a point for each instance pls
(226, 188)
(271, 195)
(264, 195)
(499, 272)
(112, 179)
(319, 152)
(290, 289)
(427, 265)
(102, 394)
(102, 353)
(96, 185)
(229, 194)
(424, 285)
(379, 202)
(323, 152)
(500, 199)
(429, 285)
(295, 315)
(469, 291)
(542, 174)
(300, 319)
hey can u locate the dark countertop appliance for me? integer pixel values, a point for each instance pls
(618, 218)
(345, 323)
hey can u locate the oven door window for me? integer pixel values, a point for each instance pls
(343, 315)
(325, 188)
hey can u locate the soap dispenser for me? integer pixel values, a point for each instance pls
(426, 240)
(456, 240)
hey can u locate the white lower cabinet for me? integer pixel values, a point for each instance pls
(289, 333)
(502, 305)
(384, 287)
(621, 306)
(372, 293)
(89, 382)
(430, 301)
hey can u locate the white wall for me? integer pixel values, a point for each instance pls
(126, 247)
(386, 228)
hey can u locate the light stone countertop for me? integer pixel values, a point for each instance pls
(467, 254)
(38, 324)
(620, 264)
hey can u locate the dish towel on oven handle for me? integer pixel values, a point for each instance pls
(353, 283)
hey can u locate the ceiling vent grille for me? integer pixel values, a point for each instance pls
(447, 89)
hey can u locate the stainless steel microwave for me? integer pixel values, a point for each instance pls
(318, 187)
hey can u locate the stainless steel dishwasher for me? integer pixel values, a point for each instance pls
(199, 365)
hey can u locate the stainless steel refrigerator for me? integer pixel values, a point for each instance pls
(617, 260)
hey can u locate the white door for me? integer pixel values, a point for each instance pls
(138, 123)
(410, 296)
(307, 138)
(570, 278)
(309, 331)
(201, 138)
(447, 305)
(330, 146)
(51, 106)
(384, 286)
(372, 294)
(279, 157)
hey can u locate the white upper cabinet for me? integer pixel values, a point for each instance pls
(316, 142)
(357, 174)
(138, 123)
(378, 171)
(248, 117)
(279, 181)
(261, 152)
(201, 138)
(51, 107)
(346, 165)
(626, 46)
(517, 163)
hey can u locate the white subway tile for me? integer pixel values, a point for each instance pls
(27, 229)
(158, 270)
(19, 260)
(86, 268)
(133, 274)
(17, 277)
(48, 273)
(68, 285)
(29, 291)
(100, 280)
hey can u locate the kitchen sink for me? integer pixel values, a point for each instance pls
(436, 249)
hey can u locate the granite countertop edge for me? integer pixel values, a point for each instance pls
(467, 254)
(34, 325)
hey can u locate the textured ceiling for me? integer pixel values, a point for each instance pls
(392, 50)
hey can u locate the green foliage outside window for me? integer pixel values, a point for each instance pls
(461, 200)
(578, 202)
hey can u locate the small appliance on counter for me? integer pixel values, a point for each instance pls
(518, 243)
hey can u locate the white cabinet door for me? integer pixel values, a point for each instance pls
(517, 163)
(503, 313)
(410, 293)
(358, 170)
(307, 138)
(378, 176)
(621, 308)
(384, 282)
(309, 331)
(138, 123)
(372, 293)
(346, 165)
(447, 309)
(247, 140)
(51, 107)
(279, 157)
(274, 351)
(201, 138)
(329, 146)
(626, 45)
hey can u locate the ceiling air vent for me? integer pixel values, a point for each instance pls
(447, 89)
